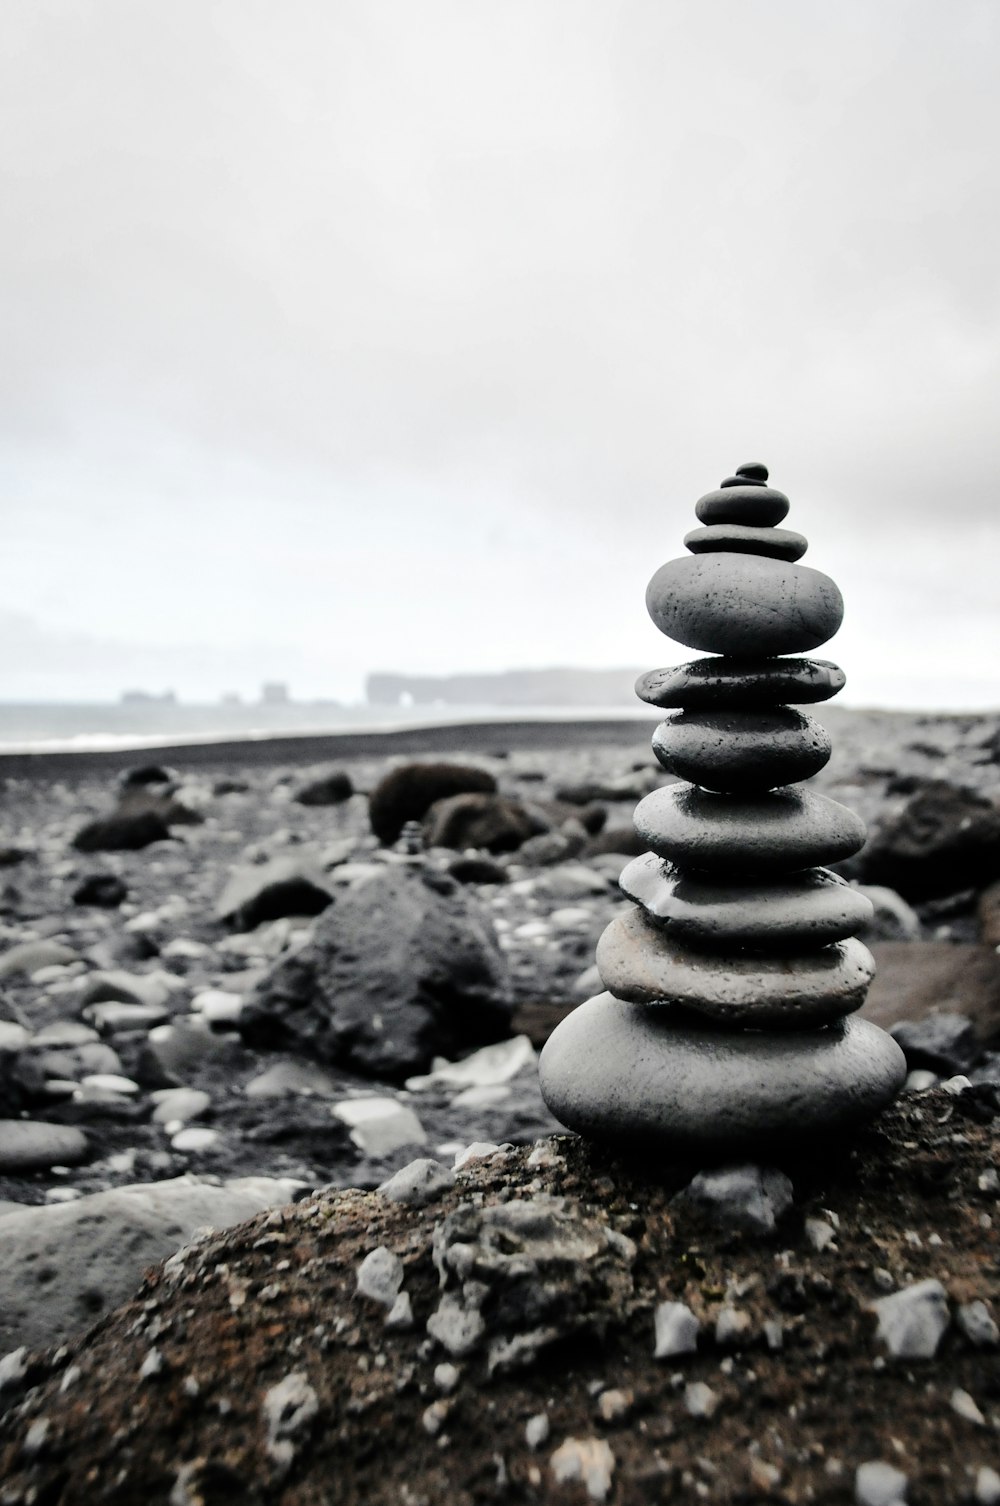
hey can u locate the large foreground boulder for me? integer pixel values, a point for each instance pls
(945, 839)
(404, 966)
(63, 1265)
(407, 793)
(550, 1325)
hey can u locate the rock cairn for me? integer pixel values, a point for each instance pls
(729, 1020)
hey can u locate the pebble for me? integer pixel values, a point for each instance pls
(380, 1125)
(418, 1183)
(715, 684)
(289, 1407)
(943, 1042)
(743, 605)
(776, 543)
(742, 751)
(963, 1405)
(114, 1016)
(290, 1079)
(28, 957)
(806, 909)
(537, 1430)
(699, 1399)
(380, 1276)
(12, 1036)
(638, 962)
(624, 1071)
(400, 1314)
(920, 1080)
(588, 1460)
(913, 1321)
(879, 1484)
(978, 1325)
(749, 1198)
(175, 1105)
(195, 1140)
(987, 1486)
(733, 1327)
(34, 1145)
(218, 1006)
(109, 1082)
(745, 836)
(751, 505)
(446, 1376)
(676, 1330)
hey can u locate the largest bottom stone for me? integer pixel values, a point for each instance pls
(642, 1074)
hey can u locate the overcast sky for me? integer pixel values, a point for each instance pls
(349, 336)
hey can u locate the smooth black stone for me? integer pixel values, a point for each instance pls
(744, 606)
(639, 962)
(755, 506)
(752, 473)
(647, 1077)
(775, 543)
(741, 752)
(742, 835)
(811, 908)
(750, 683)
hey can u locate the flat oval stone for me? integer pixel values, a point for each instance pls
(741, 682)
(743, 605)
(776, 543)
(640, 962)
(808, 909)
(754, 505)
(740, 835)
(753, 473)
(662, 1082)
(742, 751)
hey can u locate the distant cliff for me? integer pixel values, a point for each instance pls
(512, 687)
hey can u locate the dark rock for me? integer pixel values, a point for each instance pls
(122, 832)
(147, 774)
(776, 543)
(806, 909)
(407, 793)
(743, 605)
(717, 683)
(478, 871)
(741, 751)
(752, 506)
(494, 823)
(105, 890)
(405, 966)
(173, 1056)
(288, 885)
(332, 789)
(736, 836)
(229, 786)
(943, 1043)
(749, 1198)
(10, 857)
(945, 839)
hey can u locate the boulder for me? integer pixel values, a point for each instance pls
(404, 967)
(105, 890)
(122, 831)
(62, 1266)
(407, 793)
(945, 839)
(35, 1145)
(292, 884)
(330, 789)
(493, 823)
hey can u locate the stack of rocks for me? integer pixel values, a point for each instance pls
(729, 1019)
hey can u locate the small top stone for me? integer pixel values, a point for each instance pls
(752, 473)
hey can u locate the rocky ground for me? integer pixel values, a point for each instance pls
(287, 988)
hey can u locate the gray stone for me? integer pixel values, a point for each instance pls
(879, 1484)
(638, 962)
(175, 1105)
(28, 957)
(63, 1265)
(291, 1079)
(174, 1053)
(32, 1145)
(675, 1329)
(744, 605)
(913, 1321)
(776, 543)
(736, 836)
(716, 684)
(289, 1409)
(418, 1183)
(978, 1324)
(405, 966)
(748, 505)
(380, 1276)
(627, 1072)
(749, 1198)
(807, 909)
(742, 751)
(942, 1043)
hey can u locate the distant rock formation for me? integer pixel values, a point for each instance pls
(512, 687)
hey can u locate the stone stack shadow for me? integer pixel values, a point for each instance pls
(730, 1019)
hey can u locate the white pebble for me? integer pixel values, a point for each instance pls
(879, 1484)
(380, 1276)
(700, 1400)
(589, 1460)
(963, 1405)
(676, 1330)
(537, 1429)
(195, 1139)
(987, 1486)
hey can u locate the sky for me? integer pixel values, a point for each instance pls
(351, 335)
